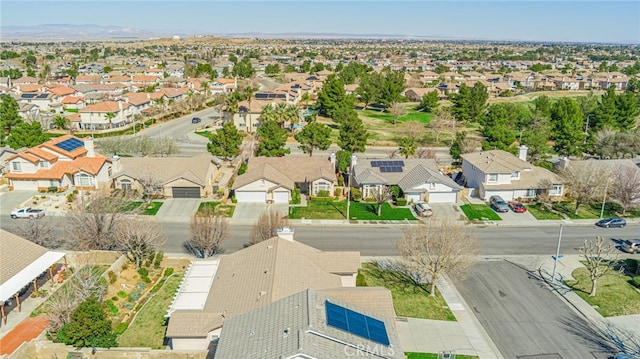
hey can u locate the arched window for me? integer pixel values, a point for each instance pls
(84, 180)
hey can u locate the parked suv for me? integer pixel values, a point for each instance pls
(630, 245)
(498, 204)
(196, 120)
(422, 209)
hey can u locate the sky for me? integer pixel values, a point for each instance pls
(537, 20)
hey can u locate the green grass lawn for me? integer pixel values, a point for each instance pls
(411, 115)
(150, 210)
(217, 209)
(479, 212)
(614, 295)
(149, 326)
(541, 212)
(358, 210)
(410, 355)
(409, 300)
(130, 207)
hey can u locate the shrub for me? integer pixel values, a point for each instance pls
(356, 194)
(146, 279)
(396, 192)
(322, 193)
(233, 199)
(360, 280)
(158, 260)
(143, 272)
(635, 281)
(112, 277)
(122, 294)
(401, 202)
(121, 328)
(337, 192)
(125, 266)
(111, 307)
(168, 271)
(134, 296)
(115, 298)
(243, 168)
(295, 196)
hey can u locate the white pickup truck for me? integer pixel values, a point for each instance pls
(27, 212)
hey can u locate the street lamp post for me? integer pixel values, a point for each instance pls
(604, 198)
(352, 162)
(586, 128)
(555, 259)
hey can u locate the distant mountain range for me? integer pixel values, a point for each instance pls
(67, 32)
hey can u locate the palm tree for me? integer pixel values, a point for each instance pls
(305, 98)
(293, 115)
(280, 112)
(189, 99)
(61, 122)
(248, 93)
(110, 116)
(205, 85)
(268, 113)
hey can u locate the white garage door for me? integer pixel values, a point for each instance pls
(25, 185)
(415, 197)
(506, 195)
(251, 196)
(442, 197)
(281, 197)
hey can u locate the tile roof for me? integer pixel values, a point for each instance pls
(104, 106)
(138, 98)
(414, 172)
(16, 253)
(496, 161)
(51, 145)
(297, 326)
(39, 152)
(167, 169)
(285, 171)
(72, 100)
(62, 90)
(30, 87)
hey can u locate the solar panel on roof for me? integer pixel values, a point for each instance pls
(375, 163)
(261, 95)
(44, 95)
(396, 163)
(356, 323)
(395, 169)
(28, 95)
(70, 144)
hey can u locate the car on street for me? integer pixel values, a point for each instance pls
(422, 209)
(611, 222)
(498, 204)
(27, 212)
(630, 245)
(196, 120)
(517, 207)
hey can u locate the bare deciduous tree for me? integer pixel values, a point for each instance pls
(267, 225)
(87, 282)
(626, 188)
(139, 239)
(438, 125)
(207, 234)
(40, 232)
(150, 182)
(392, 153)
(599, 260)
(381, 195)
(426, 152)
(59, 307)
(414, 130)
(427, 251)
(585, 181)
(94, 226)
(397, 110)
(165, 146)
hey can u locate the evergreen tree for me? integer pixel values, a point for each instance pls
(606, 112)
(89, 327)
(314, 135)
(429, 101)
(26, 135)
(353, 136)
(272, 139)
(499, 125)
(9, 113)
(542, 106)
(462, 103)
(478, 103)
(333, 96)
(225, 142)
(567, 121)
(628, 109)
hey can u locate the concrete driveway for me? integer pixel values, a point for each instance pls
(248, 213)
(450, 211)
(178, 209)
(13, 199)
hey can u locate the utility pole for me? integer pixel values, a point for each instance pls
(604, 198)
(555, 259)
(352, 162)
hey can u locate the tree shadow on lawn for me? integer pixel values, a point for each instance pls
(389, 273)
(337, 209)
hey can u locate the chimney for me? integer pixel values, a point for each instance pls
(564, 162)
(522, 152)
(286, 233)
(117, 167)
(91, 149)
(332, 158)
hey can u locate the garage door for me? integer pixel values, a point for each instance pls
(415, 197)
(185, 192)
(281, 197)
(251, 196)
(442, 197)
(25, 185)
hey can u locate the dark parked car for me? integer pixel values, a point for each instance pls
(196, 120)
(498, 204)
(517, 207)
(611, 222)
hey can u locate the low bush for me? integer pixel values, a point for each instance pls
(242, 169)
(111, 307)
(320, 199)
(168, 271)
(158, 260)
(635, 281)
(115, 298)
(337, 192)
(134, 296)
(121, 328)
(401, 202)
(112, 277)
(143, 272)
(322, 193)
(122, 294)
(295, 196)
(146, 279)
(356, 194)
(360, 280)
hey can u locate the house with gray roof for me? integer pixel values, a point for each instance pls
(419, 179)
(212, 293)
(271, 179)
(175, 177)
(309, 324)
(500, 173)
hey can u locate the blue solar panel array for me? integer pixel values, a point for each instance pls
(44, 95)
(29, 95)
(387, 163)
(70, 144)
(389, 169)
(356, 323)
(263, 96)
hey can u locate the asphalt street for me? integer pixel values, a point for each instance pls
(524, 318)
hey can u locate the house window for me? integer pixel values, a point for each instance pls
(322, 186)
(531, 193)
(125, 184)
(556, 190)
(493, 177)
(16, 166)
(515, 174)
(83, 180)
(109, 171)
(432, 185)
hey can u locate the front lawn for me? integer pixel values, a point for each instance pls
(539, 211)
(614, 295)
(150, 210)
(149, 326)
(592, 210)
(411, 115)
(217, 209)
(358, 211)
(409, 299)
(480, 212)
(435, 356)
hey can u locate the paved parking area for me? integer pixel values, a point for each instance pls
(12, 199)
(178, 209)
(248, 213)
(449, 211)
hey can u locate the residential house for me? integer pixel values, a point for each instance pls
(23, 262)
(73, 102)
(6, 152)
(498, 172)
(25, 80)
(567, 83)
(138, 102)
(105, 115)
(59, 163)
(213, 292)
(311, 324)
(419, 179)
(176, 177)
(271, 179)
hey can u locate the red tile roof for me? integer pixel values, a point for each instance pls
(104, 106)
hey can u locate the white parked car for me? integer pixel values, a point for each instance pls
(422, 209)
